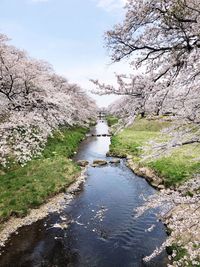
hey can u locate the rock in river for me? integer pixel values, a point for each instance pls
(99, 162)
(82, 163)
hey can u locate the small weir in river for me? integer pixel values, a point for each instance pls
(100, 225)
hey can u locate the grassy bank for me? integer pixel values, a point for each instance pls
(174, 168)
(22, 188)
(131, 140)
(111, 120)
(179, 166)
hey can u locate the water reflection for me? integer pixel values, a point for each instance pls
(102, 231)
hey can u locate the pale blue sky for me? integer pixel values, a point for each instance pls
(68, 34)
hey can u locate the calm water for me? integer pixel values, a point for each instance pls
(102, 231)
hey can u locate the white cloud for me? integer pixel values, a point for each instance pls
(110, 5)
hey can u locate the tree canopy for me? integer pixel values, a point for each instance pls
(161, 40)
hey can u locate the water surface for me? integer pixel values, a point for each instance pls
(102, 231)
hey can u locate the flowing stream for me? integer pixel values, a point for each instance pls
(103, 230)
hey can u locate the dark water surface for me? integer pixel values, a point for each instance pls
(102, 231)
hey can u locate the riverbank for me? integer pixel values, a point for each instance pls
(54, 204)
(150, 145)
(25, 188)
(154, 152)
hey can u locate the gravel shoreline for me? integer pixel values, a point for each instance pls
(54, 204)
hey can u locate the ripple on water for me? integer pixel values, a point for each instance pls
(103, 231)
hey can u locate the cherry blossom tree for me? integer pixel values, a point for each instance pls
(34, 102)
(160, 34)
(161, 41)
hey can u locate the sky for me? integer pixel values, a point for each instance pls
(69, 34)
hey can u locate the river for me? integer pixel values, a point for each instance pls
(102, 230)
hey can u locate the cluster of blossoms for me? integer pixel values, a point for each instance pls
(22, 138)
(180, 211)
(34, 101)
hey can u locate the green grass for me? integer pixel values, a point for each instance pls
(111, 120)
(174, 168)
(179, 165)
(131, 140)
(22, 188)
(64, 142)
